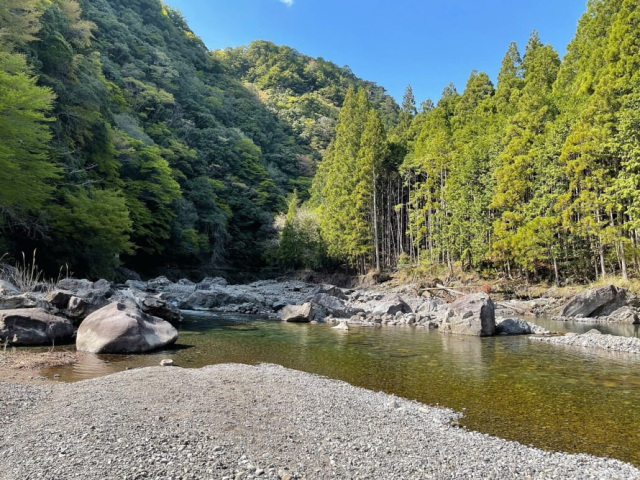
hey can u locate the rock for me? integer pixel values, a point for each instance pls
(219, 296)
(8, 289)
(74, 284)
(121, 327)
(33, 327)
(136, 284)
(167, 362)
(599, 301)
(209, 282)
(623, 315)
(330, 290)
(513, 326)
(333, 305)
(77, 298)
(59, 298)
(391, 304)
(123, 274)
(25, 300)
(297, 313)
(159, 282)
(344, 326)
(593, 331)
(279, 305)
(157, 307)
(78, 308)
(471, 315)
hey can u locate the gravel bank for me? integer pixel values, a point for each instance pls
(595, 339)
(237, 421)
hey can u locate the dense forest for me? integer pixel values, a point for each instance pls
(537, 176)
(126, 142)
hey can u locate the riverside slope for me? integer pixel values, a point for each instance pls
(238, 421)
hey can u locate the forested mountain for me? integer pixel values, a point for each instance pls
(538, 175)
(304, 92)
(125, 140)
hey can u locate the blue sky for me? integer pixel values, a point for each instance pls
(425, 43)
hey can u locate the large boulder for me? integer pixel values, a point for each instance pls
(391, 305)
(599, 302)
(333, 305)
(217, 297)
(330, 290)
(513, 326)
(78, 298)
(471, 315)
(121, 327)
(157, 307)
(33, 326)
(297, 313)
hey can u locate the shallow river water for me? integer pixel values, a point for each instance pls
(548, 396)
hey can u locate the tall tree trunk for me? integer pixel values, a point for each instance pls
(375, 221)
(601, 254)
(623, 261)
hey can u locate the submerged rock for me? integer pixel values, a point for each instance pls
(471, 315)
(122, 327)
(33, 327)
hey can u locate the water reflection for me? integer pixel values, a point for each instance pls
(534, 393)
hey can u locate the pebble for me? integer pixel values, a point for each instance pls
(240, 421)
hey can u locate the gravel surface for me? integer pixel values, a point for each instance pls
(242, 422)
(595, 339)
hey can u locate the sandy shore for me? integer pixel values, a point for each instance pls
(238, 421)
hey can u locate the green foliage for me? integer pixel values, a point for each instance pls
(301, 245)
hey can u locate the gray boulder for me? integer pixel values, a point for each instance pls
(391, 304)
(624, 315)
(513, 326)
(599, 302)
(76, 298)
(121, 327)
(471, 315)
(330, 290)
(157, 307)
(33, 327)
(8, 289)
(333, 305)
(218, 297)
(136, 284)
(297, 313)
(74, 284)
(12, 302)
(208, 283)
(159, 283)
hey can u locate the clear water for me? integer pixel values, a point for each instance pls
(548, 396)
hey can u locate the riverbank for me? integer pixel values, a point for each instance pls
(237, 421)
(25, 367)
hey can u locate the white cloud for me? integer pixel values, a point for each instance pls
(288, 3)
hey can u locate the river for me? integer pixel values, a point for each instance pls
(552, 397)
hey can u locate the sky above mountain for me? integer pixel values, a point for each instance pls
(425, 43)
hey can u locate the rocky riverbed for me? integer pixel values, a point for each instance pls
(595, 339)
(242, 422)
